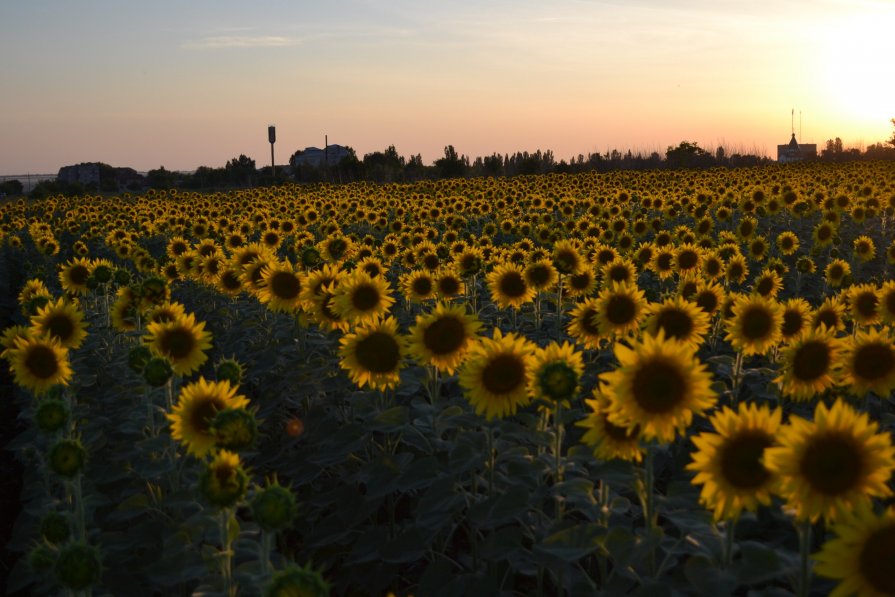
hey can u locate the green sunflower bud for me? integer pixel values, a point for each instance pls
(78, 566)
(51, 415)
(274, 507)
(295, 580)
(230, 370)
(138, 357)
(224, 481)
(558, 381)
(122, 277)
(234, 428)
(157, 372)
(310, 257)
(42, 558)
(92, 283)
(35, 303)
(54, 528)
(67, 457)
(102, 273)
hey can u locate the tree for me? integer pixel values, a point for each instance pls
(452, 165)
(11, 187)
(892, 140)
(241, 170)
(686, 155)
(160, 178)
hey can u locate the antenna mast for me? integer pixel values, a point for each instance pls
(792, 120)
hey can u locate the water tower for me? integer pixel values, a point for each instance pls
(272, 138)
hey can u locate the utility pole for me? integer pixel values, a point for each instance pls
(272, 137)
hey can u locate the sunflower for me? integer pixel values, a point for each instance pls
(836, 272)
(736, 269)
(196, 407)
(229, 281)
(728, 463)
(373, 354)
(167, 311)
(712, 265)
(280, 287)
(182, 341)
(620, 309)
(361, 299)
(418, 285)
(442, 337)
(810, 364)
(788, 242)
(583, 324)
(887, 301)
(321, 308)
(566, 258)
(496, 374)
(10, 334)
(832, 464)
(663, 262)
(507, 286)
(768, 283)
(863, 304)
(796, 316)
(61, 320)
(823, 235)
(540, 275)
(123, 314)
(448, 284)
(328, 275)
(608, 440)
(864, 248)
(38, 363)
(74, 275)
(755, 325)
(32, 288)
(861, 555)
(868, 362)
(581, 284)
(619, 270)
(555, 372)
(678, 319)
(659, 385)
(708, 296)
(830, 313)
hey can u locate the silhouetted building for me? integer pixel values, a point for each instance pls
(314, 156)
(795, 151)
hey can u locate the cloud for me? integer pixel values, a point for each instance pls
(216, 42)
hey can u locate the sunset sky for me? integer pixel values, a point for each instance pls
(184, 84)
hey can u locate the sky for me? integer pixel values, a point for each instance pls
(186, 84)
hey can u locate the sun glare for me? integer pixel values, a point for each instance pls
(853, 68)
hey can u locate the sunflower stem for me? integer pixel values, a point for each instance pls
(227, 552)
(559, 308)
(729, 535)
(804, 530)
(264, 549)
(650, 503)
(489, 435)
(80, 517)
(557, 455)
(736, 376)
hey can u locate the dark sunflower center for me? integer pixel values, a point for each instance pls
(757, 323)
(619, 433)
(212, 265)
(588, 321)
(832, 464)
(890, 302)
(765, 286)
(284, 285)
(271, 238)
(422, 286)
(875, 561)
(78, 275)
(786, 243)
(620, 309)
(824, 233)
(512, 284)
(444, 335)
(792, 322)
(734, 270)
(539, 275)
(676, 323)
(378, 353)
(836, 272)
(707, 301)
(658, 386)
(557, 381)
(337, 247)
(449, 286)
(741, 459)
(431, 261)
(619, 273)
(326, 304)
(204, 412)
(41, 362)
(663, 261)
(177, 343)
(604, 256)
(230, 281)
(566, 261)
(687, 259)
(365, 298)
(811, 360)
(503, 374)
(828, 317)
(866, 304)
(61, 326)
(874, 361)
(712, 267)
(580, 281)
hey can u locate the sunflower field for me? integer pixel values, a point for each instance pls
(646, 383)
